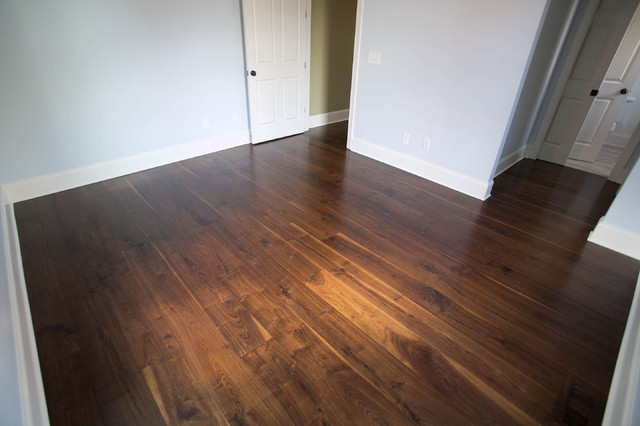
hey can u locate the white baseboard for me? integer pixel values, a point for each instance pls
(328, 118)
(624, 393)
(510, 160)
(31, 389)
(68, 179)
(449, 178)
(617, 239)
(531, 152)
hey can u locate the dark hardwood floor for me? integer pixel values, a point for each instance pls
(294, 282)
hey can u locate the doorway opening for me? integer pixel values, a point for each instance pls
(332, 35)
(594, 124)
(610, 123)
(299, 59)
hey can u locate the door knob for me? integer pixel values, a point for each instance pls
(253, 73)
(624, 91)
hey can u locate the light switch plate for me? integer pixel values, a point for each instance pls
(375, 58)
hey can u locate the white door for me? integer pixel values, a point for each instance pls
(612, 95)
(275, 47)
(600, 44)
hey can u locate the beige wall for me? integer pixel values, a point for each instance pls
(332, 30)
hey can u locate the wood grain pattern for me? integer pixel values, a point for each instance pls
(295, 282)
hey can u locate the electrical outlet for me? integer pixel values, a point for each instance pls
(205, 123)
(405, 138)
(375, 58)
(427, 143)
(234, 119)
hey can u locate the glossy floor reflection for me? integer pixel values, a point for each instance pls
(295, 282)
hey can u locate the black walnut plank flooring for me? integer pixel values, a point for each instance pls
(295, 282)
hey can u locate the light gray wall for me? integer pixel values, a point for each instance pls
(623, 212)
(450, 71)
(87, 82)
(559, 13)
(10, 405)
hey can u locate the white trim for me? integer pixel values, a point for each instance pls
(68, 179)
(355, 72)
(449, 178)
(623, 393)
(307, 108)
(617, 239)
(510, 160)
(327, 118)
(31, 389)
(529, 148)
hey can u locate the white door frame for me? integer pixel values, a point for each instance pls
(308, 67)
(355, 71)
(576, 46)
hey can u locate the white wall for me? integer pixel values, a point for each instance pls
(451, 72)
(619, 229)
(556, 20)
(89, 82)
(623, 212)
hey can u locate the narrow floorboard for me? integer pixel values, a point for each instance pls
(295, 282)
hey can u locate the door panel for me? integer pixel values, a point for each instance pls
(263, 31)
(275, 45)
(290, 89)
(596, 114)
(290, 31)
(598, 48)
(622, 74)
(593, 44)
(267, 102)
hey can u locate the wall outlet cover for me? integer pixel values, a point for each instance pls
(405, 138)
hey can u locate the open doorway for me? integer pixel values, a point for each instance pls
(597, 96)
(617, 141)
(615, 113)
(333, 24)
(299, 56)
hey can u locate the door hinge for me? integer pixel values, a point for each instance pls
(305, 65)
(594, 92)
(305, 15)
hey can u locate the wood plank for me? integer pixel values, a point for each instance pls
(296, 282)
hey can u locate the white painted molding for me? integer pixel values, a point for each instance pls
(531, 150)
(624, 392)
(510, 160)
(617, 239)
(355, 71)
(328, 118)
(31, 389)
(307, 65)
(449, 178)
(68, 179)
